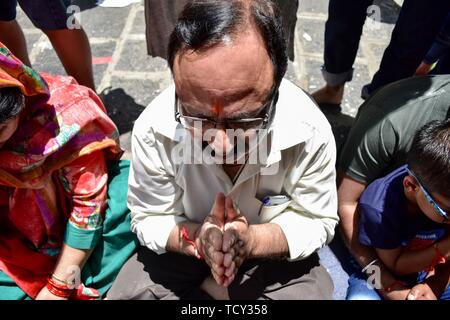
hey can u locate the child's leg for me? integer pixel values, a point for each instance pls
(74, 51)
(11, 35)
(71, 45)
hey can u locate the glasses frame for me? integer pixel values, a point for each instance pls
(428, 196)
(270, 105)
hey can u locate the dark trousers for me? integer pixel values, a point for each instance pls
(417, 26)
(171, 276)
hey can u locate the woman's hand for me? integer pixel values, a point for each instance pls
(45, 294)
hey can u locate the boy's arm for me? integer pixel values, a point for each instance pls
(403, 262)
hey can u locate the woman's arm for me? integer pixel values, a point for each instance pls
(67, 270)
(84, 182)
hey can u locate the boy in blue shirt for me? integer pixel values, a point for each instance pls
(405, 216)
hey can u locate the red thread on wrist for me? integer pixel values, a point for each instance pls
(185, 237)
(439, 258)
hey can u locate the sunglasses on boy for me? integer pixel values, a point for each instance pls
(430, 199)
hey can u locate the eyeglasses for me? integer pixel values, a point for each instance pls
(430, 199)
(245, 124)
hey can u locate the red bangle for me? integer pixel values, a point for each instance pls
(59, 290)
(185, 237)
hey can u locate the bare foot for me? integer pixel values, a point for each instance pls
(211, 287)
(329, 95)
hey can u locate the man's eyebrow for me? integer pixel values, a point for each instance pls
(244, 114)
(238, 95)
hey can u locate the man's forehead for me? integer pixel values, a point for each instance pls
(243, 61)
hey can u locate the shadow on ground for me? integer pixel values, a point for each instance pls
(122, 108)
(340, 123)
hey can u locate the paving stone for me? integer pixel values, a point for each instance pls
(32, 39)
(48, 61)
(136, 58)
(313, 73)
(23, 20)
(291, 75)
(139, 23)
(101, 50)
(126, 99)
(352, 97)
(377, 51)
(316, 6)
(110, 26)
(311, 34)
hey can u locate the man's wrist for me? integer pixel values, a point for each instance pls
(252, 241)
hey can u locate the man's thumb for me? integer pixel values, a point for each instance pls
(230, 209)
(218, 210)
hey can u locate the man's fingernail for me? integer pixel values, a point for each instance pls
(411, 297)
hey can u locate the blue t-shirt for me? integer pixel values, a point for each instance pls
(385, 222)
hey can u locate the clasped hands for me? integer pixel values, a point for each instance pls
(224, 240)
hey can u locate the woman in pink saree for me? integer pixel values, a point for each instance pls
(55, 139)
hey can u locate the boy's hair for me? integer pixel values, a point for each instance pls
(12, 102)
(429, 157)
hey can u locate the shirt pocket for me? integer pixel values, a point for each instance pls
(268, 213)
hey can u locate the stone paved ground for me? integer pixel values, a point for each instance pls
(132, 79)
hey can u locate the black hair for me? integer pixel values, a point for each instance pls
(429, 157)
(12, 102)
(204, 23)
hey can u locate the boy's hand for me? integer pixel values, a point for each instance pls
(421, 292)
(423, 69)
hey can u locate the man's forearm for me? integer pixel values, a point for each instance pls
(268, 241)
(175, 243)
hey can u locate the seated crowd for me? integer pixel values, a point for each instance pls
(233, 186)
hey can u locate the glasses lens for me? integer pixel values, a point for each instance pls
(245, 125)
(196, 123)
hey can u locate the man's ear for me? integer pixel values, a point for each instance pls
(410, 184)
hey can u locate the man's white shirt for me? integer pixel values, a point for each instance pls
(300, 164)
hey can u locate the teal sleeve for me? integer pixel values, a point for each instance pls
(83, 239)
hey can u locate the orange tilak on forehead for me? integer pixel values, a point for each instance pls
(217, 108)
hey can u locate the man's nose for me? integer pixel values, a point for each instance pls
(221, 141)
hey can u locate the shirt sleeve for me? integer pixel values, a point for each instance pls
(441, 45)
(84, 182)
(154, 198)
(376, 229)
(370, 147)
(309, 222)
